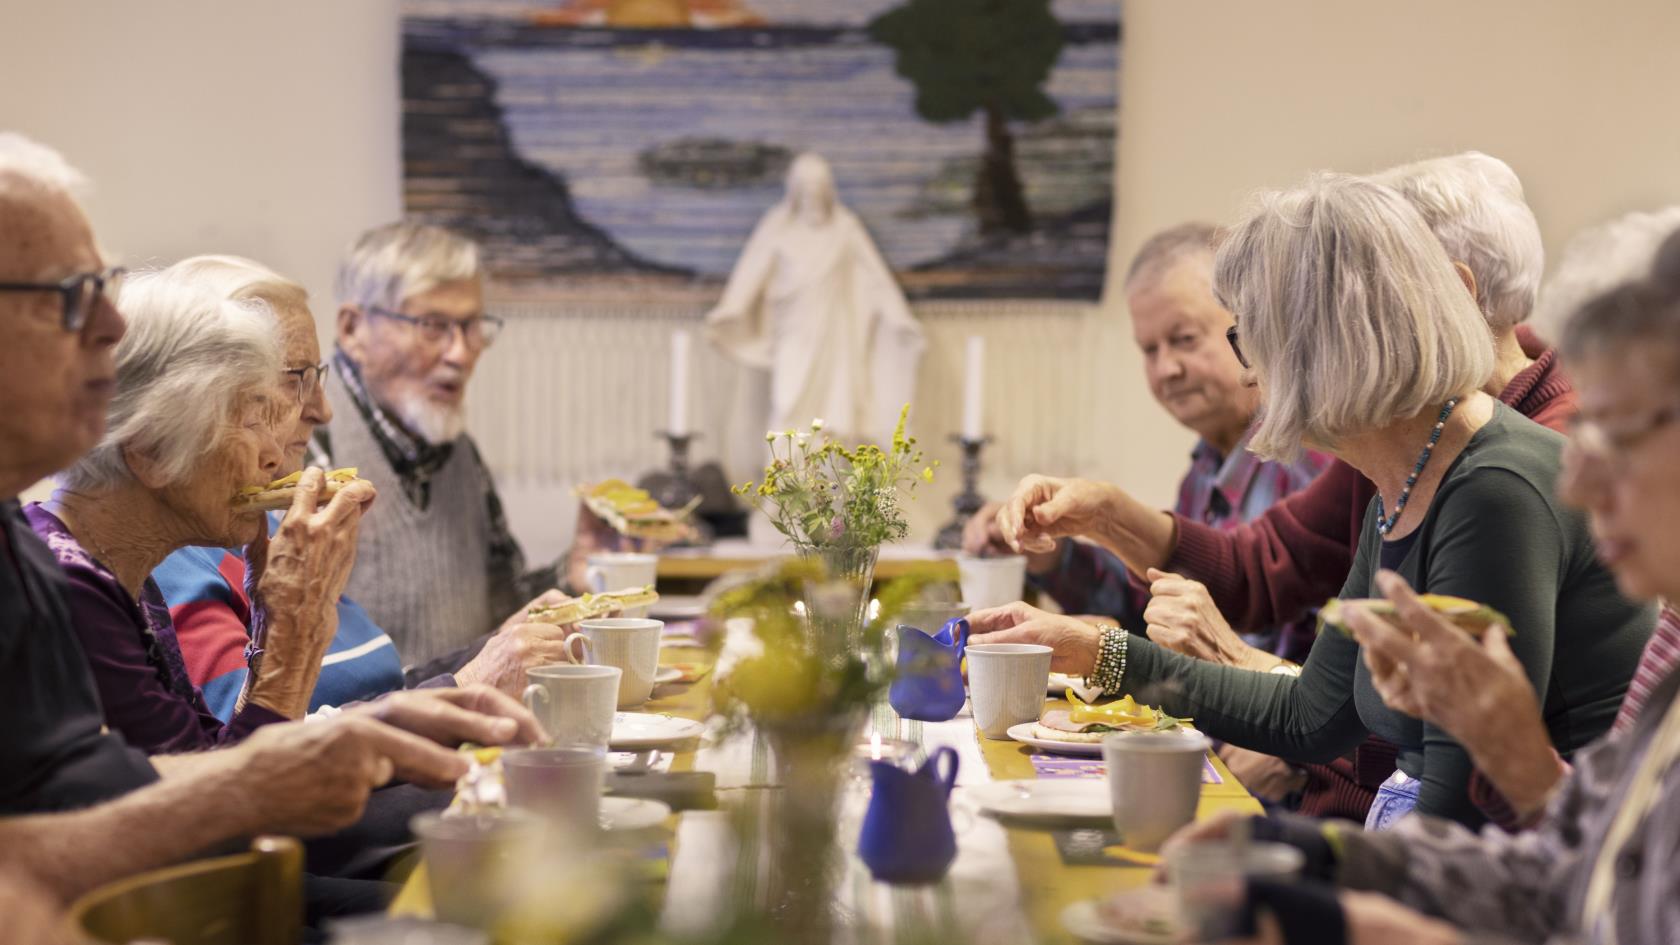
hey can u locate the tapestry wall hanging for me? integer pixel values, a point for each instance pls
(626, 148)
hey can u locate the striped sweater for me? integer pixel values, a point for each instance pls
(205, 590)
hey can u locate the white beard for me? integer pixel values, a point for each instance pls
(432, 423)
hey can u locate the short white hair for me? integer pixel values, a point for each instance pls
(1475, 205)
(1598, 259)
(1350, 312)
(25, 161)
(190, 358)
(398, 261)
(237, 278)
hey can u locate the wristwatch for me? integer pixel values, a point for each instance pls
(1285, 668)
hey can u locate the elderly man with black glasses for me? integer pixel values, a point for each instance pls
(437, 565)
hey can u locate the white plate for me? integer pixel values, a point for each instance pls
(667, 675)
(676, 607)
(1047, 803)
(1087, 924)
(633, 731)
(1024, 733)
(632, 813)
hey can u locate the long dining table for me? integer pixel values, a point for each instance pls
(1010, 883)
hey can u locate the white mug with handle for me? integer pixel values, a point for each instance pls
(574, 704)
(632, 645)
(618, 571)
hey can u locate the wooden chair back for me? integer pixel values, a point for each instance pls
(253, 898)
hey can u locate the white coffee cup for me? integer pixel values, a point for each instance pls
(988, 582)
(560, 785)
(1155, 781)
(622, 570)
(629, 643)
(1006, 683)
(575, 704)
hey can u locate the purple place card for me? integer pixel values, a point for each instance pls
(1054, 766)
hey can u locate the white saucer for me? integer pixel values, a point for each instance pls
(667, 675)
(633, 731)
(632, 813)
(1048, 803)
(1088, 925)
(1024, 733)
(674, 607)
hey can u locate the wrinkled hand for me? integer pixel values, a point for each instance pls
(1429, 669)
(450, 716)
(517, 647)
(983, 535)
(1043, 509)
(1073, 641)
(313, 778)
(1264, 776)
(1182, 617)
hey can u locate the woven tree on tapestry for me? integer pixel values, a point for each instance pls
(621, 147)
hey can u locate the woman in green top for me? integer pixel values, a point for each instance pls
(1364, 343)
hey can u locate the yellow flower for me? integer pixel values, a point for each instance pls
(927, 474)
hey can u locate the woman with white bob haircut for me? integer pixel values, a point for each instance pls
(1365, 344)
(202, 409)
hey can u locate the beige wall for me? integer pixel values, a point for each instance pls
(271, 130)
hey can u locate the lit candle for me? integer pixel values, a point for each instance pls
(875, 746)
(680, 345)
(973, 371)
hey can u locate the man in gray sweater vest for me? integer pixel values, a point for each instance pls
(437, 566)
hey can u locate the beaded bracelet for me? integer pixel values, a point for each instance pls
(1110, 672)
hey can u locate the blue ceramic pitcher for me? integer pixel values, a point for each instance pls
(907, 835)
(928, 686)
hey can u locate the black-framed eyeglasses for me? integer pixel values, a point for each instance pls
(308, 380)
(78, 292)
(1236, 347)
(479, 331)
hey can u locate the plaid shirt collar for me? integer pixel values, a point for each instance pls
(412, 458)
(1229, 476)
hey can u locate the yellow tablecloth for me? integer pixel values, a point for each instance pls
(1047, 884)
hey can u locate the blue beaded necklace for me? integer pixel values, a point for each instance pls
(1386, 524)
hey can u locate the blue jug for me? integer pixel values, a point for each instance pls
(928, 686)
(907, 835)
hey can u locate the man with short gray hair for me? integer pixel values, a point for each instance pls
(436, 566)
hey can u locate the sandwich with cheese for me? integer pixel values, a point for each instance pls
(1467, 615)
(635, 513)
(591, 606)
(278, 495)
(1083, 722)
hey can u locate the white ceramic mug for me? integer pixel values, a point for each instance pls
(629, 643)
(574, 704)
(1155, 780)
(471, 861)
(622, 570)
(560, 785)
(989, 582)
(1006, 683)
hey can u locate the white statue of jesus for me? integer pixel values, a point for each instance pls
(813, 302)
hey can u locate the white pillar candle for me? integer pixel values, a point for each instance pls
(973, 373)
(681, 343)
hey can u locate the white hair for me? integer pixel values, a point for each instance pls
(190, 359)
(26, 161)
(235, 278)
(398, 261)
(1165, 249)
(1598, 259)
(1474, 203)
(1350, 312)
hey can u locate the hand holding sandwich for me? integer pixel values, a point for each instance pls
(1428, 667)
(294, 580)
(518, 645)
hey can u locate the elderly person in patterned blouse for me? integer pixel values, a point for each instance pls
(1599, 865)
(1179, 327)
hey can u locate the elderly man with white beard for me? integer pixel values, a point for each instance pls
(436, 564)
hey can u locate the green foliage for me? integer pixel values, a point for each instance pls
(967, 55)
(831, 497)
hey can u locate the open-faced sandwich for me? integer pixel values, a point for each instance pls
(1467, 615)
(1083, 722)
(591, 606)
(278, 495)
(634, 512)
(480, 790)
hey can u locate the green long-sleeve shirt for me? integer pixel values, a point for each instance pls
(1495, 533)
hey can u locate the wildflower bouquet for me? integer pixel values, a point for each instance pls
(827, 497)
